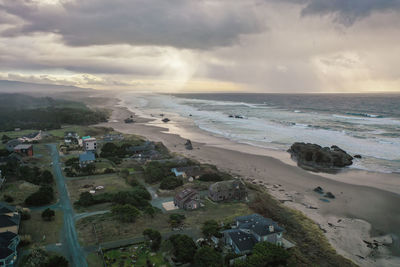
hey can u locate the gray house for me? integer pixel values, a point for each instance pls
(227, 190)
(188, 199)
(251, 229)
(86, 158)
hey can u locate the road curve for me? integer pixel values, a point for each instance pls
(71, 246)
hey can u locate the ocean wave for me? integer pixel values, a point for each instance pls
(364, 115)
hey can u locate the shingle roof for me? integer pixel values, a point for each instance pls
(5, 208)
(258, 224)
(6, 220)
(6, 238)
(5, 252)
(188, 192)
(226, 185)
(242, 240)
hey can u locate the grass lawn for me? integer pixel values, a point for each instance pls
(94, 260)
(112, 183)
(18, 190)
(42, 232)
(133, 256)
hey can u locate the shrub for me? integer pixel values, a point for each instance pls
(48, 214)
(184, 247)
(85, 199)
(207, 257)
(176, 219)
(210, 228)
(154, 238)
(170, 182)
(210, 177)
(43, 196)
(8, 198)
(125, 213)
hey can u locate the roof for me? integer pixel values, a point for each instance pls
(186, 193)
(6, 238)
(5, 208)
(6, 221)
(85, 137)
(89, 139)
(227, 185)
(242, 240)
(258, 224)
(88, 156)
(22, 146)
(13, 142)
(5, 252)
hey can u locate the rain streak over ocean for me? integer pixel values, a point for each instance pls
(368, 125)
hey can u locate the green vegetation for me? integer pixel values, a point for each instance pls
(45, 195)
(48, 214)
(176, 219)
(43, 113)
(170, 182)
(154, 238)
(39, 257)
(265, 254)
(184, 248)
(125, 213)
(211, 177)
(207, 257)
(35, 175)
(312, 248)
(211, 228)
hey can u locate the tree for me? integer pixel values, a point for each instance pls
(124, 173)
(86, 199)
(170, 182)
(207, 257)
(154, 238)
(176, 219)
(154, 172)
(184, 247)
(210, 228)
(149, 210)
(46, 177)
(266, 254)
(125, 213)
(57, 261)
(48, 214)
(43, 196)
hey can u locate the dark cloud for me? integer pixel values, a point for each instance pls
(178, 23)
(346, 11)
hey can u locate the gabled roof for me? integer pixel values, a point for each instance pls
(88, 156)
(242, 240)
(6, 238)
(5, 208)
(6, 221)
(22, 146)
(227, 185)
(5, 252)
(258, 224)
(187, 193)
(13, 142)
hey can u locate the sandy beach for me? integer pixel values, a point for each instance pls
(366, 208)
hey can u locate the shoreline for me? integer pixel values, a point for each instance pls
(346, 220)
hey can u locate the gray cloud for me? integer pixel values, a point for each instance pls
(178, 23)
(346, 12)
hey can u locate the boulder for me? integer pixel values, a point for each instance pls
(313, 157)
(188, 145)
(357, 156)
(166, 120)
(319, 190)
(329, 195)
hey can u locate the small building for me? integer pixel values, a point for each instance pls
(188, 199)
(188, 171)
(71, 138)
(9, 218)
(86, 158)
(24, 150)
(31, 137)
(227, 190)
(89, 143)
(251, 229)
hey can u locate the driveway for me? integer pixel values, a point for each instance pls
(70, 245)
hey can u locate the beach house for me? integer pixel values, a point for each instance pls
(188, 199)
(251, 229)
(227, 190)
(9, 239)
(89, 143)
(86, 158)
(24, 150)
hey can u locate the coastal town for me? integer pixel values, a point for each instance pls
(92, 196)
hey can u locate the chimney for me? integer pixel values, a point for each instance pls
(271, 228)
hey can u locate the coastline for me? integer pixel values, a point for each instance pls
(361, 203)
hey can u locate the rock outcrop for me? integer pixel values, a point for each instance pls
(316, 158)
(188, 145)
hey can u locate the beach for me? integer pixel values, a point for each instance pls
(366, 208)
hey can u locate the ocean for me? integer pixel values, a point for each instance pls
(364, 124)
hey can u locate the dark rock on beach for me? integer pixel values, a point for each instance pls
(357, 156)
(188, 145)
(166, 120)
(330, 195)
(316, 158)
(319, 190)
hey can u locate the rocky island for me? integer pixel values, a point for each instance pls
(313, 157)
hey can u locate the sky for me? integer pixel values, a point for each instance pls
(271, 46)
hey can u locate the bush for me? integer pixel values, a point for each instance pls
(85, 199)
(184, 247)
(125, 213)
(45, 195)
(48, 214)
(25, 240)
(8, 198)
(207, 257)
(56, 261)
(124, 173)
(210, 177)
(176, 219)
(210, 228)
(25, 214)
(170, 182)
(154, 238)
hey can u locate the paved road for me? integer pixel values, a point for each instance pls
(71, 246)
